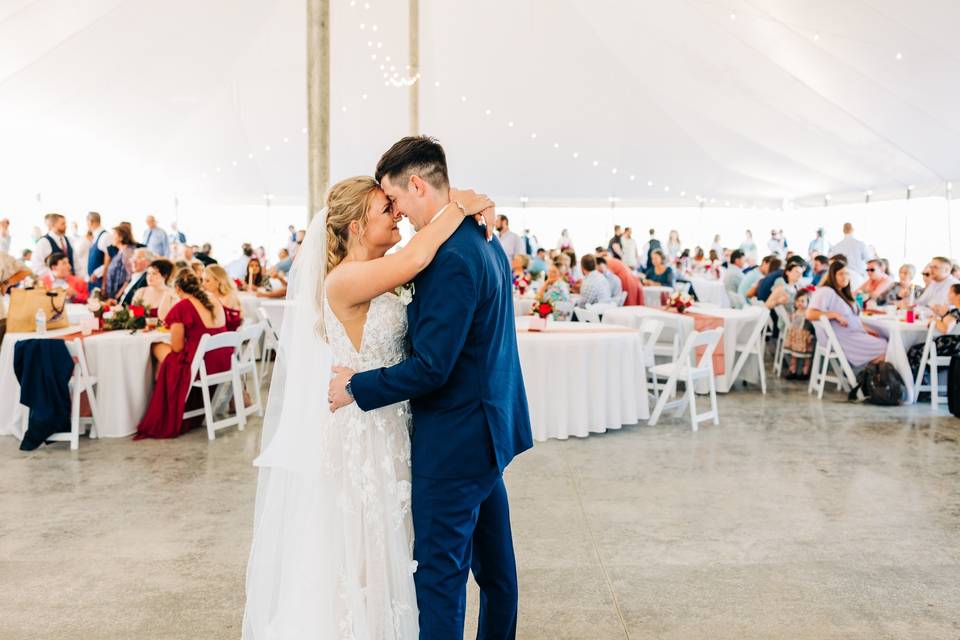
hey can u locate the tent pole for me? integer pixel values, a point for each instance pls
(318, 103)
(949, 223)
(414, 67)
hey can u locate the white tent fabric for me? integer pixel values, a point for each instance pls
(131, 103)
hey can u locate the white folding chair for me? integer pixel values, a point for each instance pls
(932, 362)
(779, 352)
(81, 382)
(829, 355)
(247, 363)
(737, 301)
(586, 315)
(271, 339)
(650, 330)
(203, 380)
(622, 298)
(565, 308)
(754, 345)
(688, 369)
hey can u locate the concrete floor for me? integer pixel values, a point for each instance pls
(795, 518)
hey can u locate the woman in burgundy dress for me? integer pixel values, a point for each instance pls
(196, 315)
(218, 285)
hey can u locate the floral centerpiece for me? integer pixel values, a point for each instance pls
(122, 318)
(679, 301)
(543, 309)
(521, 282)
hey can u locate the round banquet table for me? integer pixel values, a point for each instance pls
(582, 378)
(710, 291)
(121, 361)
(900, 337)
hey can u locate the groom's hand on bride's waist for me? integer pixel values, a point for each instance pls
(339, 394)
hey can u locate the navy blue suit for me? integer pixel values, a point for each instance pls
(470, 419)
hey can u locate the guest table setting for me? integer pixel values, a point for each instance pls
(710, 291)
(581, 378)
(736, 324)
(120, 360)
(900, 336)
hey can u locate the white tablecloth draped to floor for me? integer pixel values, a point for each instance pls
(900, 337)
(274, 309)
(250, 303)
(653, 295)
(120, 360)
(710, 291)
(737, 324)
(582, 378)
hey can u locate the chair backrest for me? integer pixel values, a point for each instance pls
(265, 318)
(250, 337)
(650, 330)
(706, 339)
(587, 315)
(834, 345)
(758, 329)
(75, 349)
(782, 315)
(208, 343)
(622, 299)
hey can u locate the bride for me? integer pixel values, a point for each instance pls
(332, 543)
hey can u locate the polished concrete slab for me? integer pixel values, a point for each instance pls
(795, 518)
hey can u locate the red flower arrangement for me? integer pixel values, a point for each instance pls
(521, 283)
(679, 301)
(138, 311)
(543, 309)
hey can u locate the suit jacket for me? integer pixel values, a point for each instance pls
(43, 369)
(463, 376)
(139, 284)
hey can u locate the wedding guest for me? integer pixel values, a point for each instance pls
(538, 264)
(512, 243)
(775, 244)
(157, 294)
(285, 261)
(734, 275)
(785, 286)
(820, 265)
(749, 248)
(195, 315)
(748, 286)
(947, 344)
(576, 274)
(556, 290)
(121, 264)
(648, 248)
(631, 256)
(799, 340)
(55, 241)
(878, 282)
(5, 236)
(12, 271)
(594, 287)
(765, 286)
(519, 266)
(819, 246)
(156, 239)
(217, 283)
(674, 247)
(717, 246)
(629, 281)
(58, 276)
(197, 267)
(658, 272)
(255, 279)
(176, 237)
(26, 256)
(615, 246)
(855, 251)
(530, 243)
(903, 290)
(81, 251)
(565, 242)
(142, 258)
(834, 300)
(204, 254)
(616, 287)
(239, 268)
(934, 295)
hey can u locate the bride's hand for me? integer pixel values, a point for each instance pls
(482, 208)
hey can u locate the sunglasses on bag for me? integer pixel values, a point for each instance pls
(869, 270)
(926, 274)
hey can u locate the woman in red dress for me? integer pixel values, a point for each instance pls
(196, 315)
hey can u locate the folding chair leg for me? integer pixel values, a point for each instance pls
(763, 375)
(668, 390)
(693, 404)
(240, 409)
(75, 417)
(814, 371)
(208, 410)
(934, 385)
(94, 412)
(256, 390)
(713, 398)
(822, 381)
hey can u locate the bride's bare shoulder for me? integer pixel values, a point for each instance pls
(341, 280)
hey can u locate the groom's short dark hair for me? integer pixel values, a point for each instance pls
(415, 155)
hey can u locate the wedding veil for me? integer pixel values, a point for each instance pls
(290, 593)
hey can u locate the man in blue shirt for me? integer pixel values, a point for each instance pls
(155, 239)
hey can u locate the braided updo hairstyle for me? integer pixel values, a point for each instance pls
(348, 200)
(188, 282)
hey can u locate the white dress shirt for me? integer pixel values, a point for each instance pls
(856, 253)
(42, 250)
(936, 293)
(134, 279)
(512, 243)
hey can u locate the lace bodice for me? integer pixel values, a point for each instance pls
(384, 335)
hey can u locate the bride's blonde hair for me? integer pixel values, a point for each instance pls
(347, 201)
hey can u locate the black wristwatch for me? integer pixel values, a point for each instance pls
(348, 389)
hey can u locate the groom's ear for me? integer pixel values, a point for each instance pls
(418, 185)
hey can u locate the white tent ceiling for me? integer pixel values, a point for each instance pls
(751, 102)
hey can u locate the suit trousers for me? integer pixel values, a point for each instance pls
(463, 525)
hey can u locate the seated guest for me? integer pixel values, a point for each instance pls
(629, 282)
(658, 272)
(753, 276)
(820, 266)
(519, 266)
(834, 300)
(121, 262)
(142, 258)
(785, 287)
(195, 315)
(573, 265)
(285, 262)
(59, 276)
(218, 285)
(764, 285)
(616, 288)
(878, 282)
(799, 339)
(538, 264)
(734, 274)
(903, 290)
(947, 344)
(556, 290)
(203, 255)
(594, 287)
(197, 267)
(255, 279)
(158, 294)
(935, 295)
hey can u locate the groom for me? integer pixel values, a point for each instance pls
(469, 405)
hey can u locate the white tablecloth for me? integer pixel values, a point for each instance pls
(710, 291)
(120, 360)
(274, 309)
(523, 306)
(652, 295)
(581, 379)
(737, 324)
(900, 337)
(250, 303)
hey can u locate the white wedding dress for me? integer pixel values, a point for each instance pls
(332, 548)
